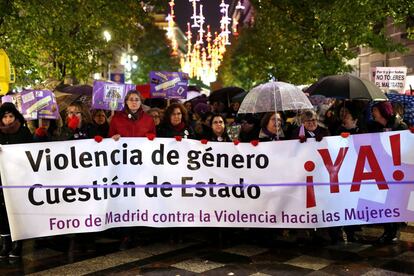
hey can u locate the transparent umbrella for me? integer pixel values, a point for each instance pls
(273, 97)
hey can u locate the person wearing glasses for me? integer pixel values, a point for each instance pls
(77, 123)
(218, 129)
(132, 121)
(310, 128)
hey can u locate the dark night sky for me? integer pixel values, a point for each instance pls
(211, 11)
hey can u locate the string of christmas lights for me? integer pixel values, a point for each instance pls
(204, 56)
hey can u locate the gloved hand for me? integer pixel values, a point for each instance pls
(345, 134)
(150, 136)
(236, 142)
(302, 139)
(178, 138)
(204, 141)
(98, 138)
(41, 132)
(254, 142)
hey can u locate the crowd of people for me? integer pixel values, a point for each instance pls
(198, 120)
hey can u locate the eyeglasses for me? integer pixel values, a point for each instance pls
(134, 100)
(71, 113)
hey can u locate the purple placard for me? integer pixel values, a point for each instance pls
(109, 95)
(168, 85)
(35, 104)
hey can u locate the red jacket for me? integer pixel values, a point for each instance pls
(127, 127)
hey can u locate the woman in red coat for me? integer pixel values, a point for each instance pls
(132, 121)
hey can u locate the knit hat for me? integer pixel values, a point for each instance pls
(11, 108)
(385, 109)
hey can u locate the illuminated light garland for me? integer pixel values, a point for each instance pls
(194, 16)
(201, 26)
(170, 29)
(239, 6)
(203, 57)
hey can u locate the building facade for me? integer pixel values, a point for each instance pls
(368, 58)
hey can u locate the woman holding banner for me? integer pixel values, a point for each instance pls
(272, 127)
(175, 123)
(218, 129)
(384, 119)
(100, 122)
(132, 121)
(12, 131)
(310, 128)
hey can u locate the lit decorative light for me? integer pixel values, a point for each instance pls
(225, 22)
(239, 6)
(204, 56)
(201, 26)
(194, 16)
(170, 29)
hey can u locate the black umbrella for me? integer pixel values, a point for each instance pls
(346, 87)
(225, 94)
(239, 97)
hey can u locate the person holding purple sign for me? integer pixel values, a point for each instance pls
(132, 121)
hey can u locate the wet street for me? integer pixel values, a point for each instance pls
(192, 251)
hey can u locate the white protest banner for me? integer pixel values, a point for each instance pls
(84, 186)
(391, 78)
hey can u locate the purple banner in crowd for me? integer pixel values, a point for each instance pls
(168, 85)
(109, 95)
(35, 104)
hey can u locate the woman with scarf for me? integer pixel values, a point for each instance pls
(12, 131)
(271, 127)
(132, 121)
(175, 123)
